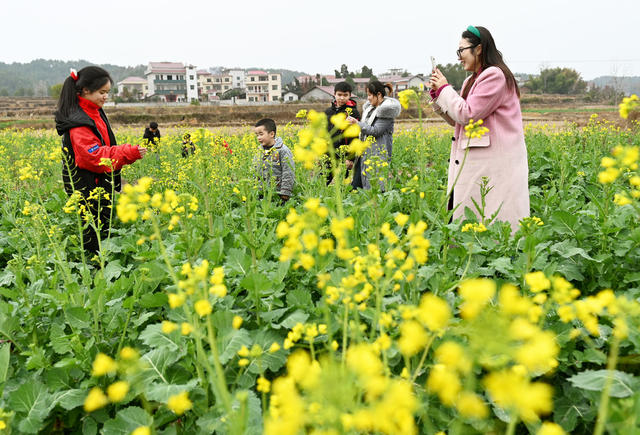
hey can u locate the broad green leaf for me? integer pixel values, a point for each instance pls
(158, 361)
(5, 356)
(622, 385)
(294, 318)
(232, 344)
(32, 403)
(162, 392)
(153, 337)
(299, 298)
(256, 283)
(77, 317)
(70, 399)
(60, 343)
(153, 300)
(126, 421)
(212, 250)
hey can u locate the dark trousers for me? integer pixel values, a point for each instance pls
(101, 221)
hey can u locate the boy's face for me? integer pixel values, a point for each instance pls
(266, 138)
(342, 98)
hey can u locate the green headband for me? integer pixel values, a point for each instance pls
(475, 31)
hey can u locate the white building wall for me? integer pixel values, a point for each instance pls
(238, 76)
(191, 78)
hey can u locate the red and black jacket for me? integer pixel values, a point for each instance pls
(351, 109)
(87, 138)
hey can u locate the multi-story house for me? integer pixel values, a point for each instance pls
(262, 86)
(166, 81)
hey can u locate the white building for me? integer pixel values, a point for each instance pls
(290, 96)
(136, 87)
(192, 83)
(166, 81)
(318, 93)
(238, 78)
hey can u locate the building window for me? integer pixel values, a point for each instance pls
(290, 98)
(274, 87)
(191, 87)
(253, 79)
(190, 77)
(208, 80)
(226, 79)
(169, 77)
(264, 78)
(275, 98)
(274, 77)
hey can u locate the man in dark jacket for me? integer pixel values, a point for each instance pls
(151, 134)
(342, 103)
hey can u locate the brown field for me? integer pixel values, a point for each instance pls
(38, 113)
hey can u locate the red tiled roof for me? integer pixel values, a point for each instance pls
(257, 73)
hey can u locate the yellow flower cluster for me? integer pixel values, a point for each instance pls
(180, 403)
(306, 396)
(309, 330)
(624, 161)
(27, 172)
(104, 365)
(313, 140)
(135, 202)
(406, 96)
(475, 129)
(475, 227)
(305, 234)
(629, 104)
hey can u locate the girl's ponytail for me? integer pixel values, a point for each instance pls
(68, 100)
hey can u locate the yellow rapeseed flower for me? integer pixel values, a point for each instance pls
(117, 391)
(142, 430)
(179, 403)
(95, 400)
(203, 307)
(237, 322)
(103, 364)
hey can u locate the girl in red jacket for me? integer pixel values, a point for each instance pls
(87, 144)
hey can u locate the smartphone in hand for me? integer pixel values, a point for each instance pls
(433, 64)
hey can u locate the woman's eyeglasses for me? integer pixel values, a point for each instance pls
(460, 50)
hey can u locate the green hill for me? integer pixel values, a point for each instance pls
(34, 78)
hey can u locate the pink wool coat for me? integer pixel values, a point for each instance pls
(500, 155)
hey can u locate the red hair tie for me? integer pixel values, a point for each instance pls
(74, 75)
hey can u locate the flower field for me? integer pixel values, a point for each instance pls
(212, 308)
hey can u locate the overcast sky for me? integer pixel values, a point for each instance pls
(595, 38)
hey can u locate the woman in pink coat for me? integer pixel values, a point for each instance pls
(491, 94)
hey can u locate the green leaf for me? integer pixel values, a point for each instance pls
(70, 399)
(4, 361)
(299, 298)
(622, 385)
(58, 339)
(126, 421)
(502, 265)
(232, 344)
(212, 250)
(238, 261)
(153, 300)
(256, 283)
(162, 392)
(32, 403)
(296, 317)
(158, 361)
(153, 337)
(563, 222)
(112, 270)
(77, 317)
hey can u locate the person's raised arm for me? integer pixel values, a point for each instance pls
(485, 99)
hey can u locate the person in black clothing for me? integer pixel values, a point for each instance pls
(151, 133)
(342, 103)
(188, 147)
